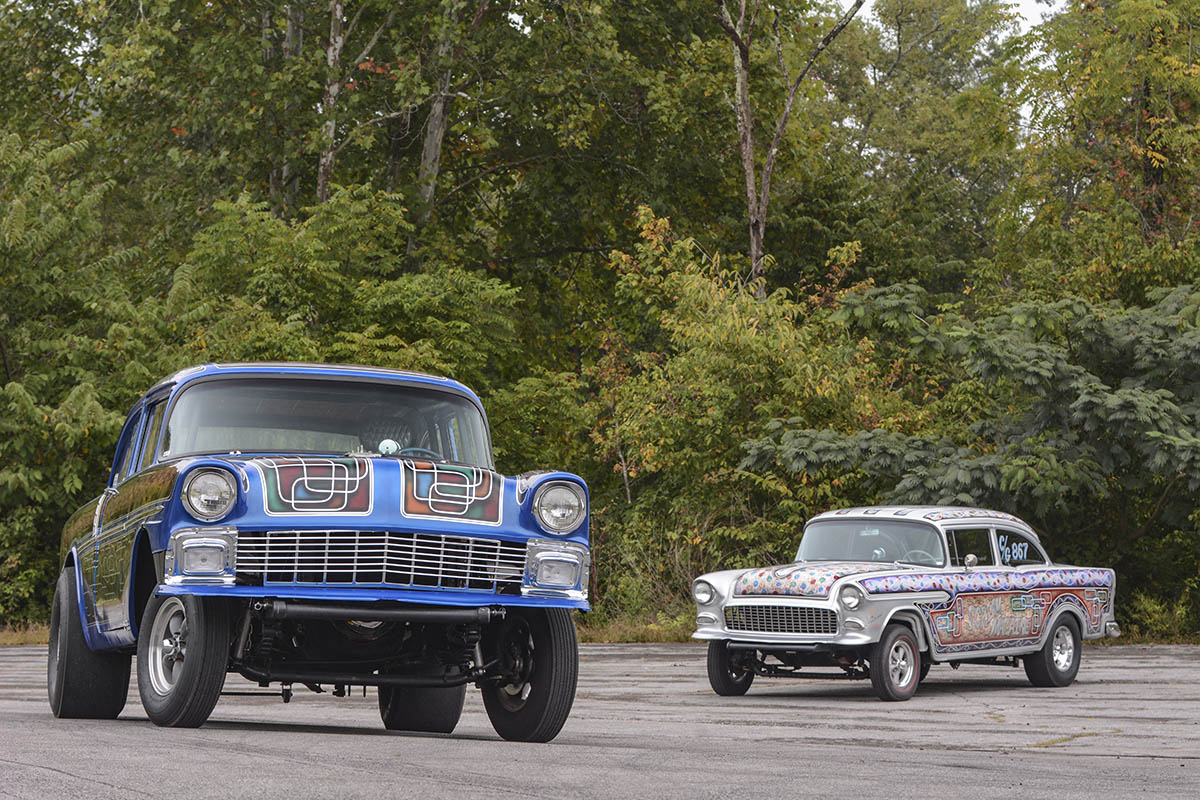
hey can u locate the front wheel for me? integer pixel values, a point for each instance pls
(895, 664)
(727, 677)
(82, 683)
(1058, 660)
(182, 653)
(428, 709)
(539, 657)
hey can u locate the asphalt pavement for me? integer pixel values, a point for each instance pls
(645, 724)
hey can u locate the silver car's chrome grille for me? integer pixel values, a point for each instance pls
(781, 619)
(381, 558)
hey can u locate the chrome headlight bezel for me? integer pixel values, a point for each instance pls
(217, 550)
(192, 504)
(703, 592)
(850, 597)
(542, 512)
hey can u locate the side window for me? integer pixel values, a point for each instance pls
(1017, 550)
(151, 438)
(964, 541)
(125, 449)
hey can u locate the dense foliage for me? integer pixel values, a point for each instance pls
(979, 284)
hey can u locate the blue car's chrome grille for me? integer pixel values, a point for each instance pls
(781, 619)
(380, 558)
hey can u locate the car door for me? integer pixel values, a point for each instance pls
(106, 526)
(966, 624)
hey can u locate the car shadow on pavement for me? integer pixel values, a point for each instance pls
(330, 730)
(861, 690)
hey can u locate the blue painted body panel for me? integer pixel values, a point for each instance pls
(112, 622)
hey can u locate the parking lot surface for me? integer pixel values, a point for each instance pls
(645, 724)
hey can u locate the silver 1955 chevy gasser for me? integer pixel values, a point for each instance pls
(884, 593)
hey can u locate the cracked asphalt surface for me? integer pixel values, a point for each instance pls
(645, 724)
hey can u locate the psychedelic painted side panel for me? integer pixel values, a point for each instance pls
(992, 620)
(1002, 609)
(981, 580)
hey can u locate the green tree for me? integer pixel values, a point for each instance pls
(71, 345)
(1109, 203)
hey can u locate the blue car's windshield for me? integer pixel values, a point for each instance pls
(872, 540)
(277, 415)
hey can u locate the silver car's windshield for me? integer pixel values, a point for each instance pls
(294, 415)
(872, 540)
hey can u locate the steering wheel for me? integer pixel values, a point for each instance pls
(420, 451)
(927, 557)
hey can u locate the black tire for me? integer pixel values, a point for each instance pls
(1058, 661)
(926, 663)
(895, 664)
(726, 677)
(539, 647)
(182, 655)
(427, 709)
(81, 683)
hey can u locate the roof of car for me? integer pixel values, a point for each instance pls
(312, 369)
(935, 514)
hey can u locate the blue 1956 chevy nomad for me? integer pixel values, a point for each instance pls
(327, 526)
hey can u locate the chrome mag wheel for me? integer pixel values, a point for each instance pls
(168, 645)
(1063, 649)
(901, 663)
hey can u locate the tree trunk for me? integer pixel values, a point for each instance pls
(758, 189)
(333, 87)
(431, 149)
(284, 180)
(437, 123)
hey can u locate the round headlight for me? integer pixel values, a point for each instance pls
(209, 494)
(851, 597)
(560, 507)
(703, 592)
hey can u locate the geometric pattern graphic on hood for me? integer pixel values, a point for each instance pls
(308, 485)
(451, 491)
(804, 580)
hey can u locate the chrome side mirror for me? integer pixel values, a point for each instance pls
(970, 561)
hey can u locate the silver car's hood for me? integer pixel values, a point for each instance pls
(807, 578)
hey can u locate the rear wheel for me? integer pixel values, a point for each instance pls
(539, 656)
(81, 683)
(895, 664)
(728, 677)
(1058, 661)
(428, 709)
(183, 650)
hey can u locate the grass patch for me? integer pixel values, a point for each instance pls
(1136, 638)
(659, 628)
(29, 633)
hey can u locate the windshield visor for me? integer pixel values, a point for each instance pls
(251, 415)
(879, 540)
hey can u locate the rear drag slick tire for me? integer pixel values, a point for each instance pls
(1057, 663)
(426, 709)
(81, 683)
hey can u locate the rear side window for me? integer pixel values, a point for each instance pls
(151, 438)
(965, 541)
(128, 449)
(1017, 550)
